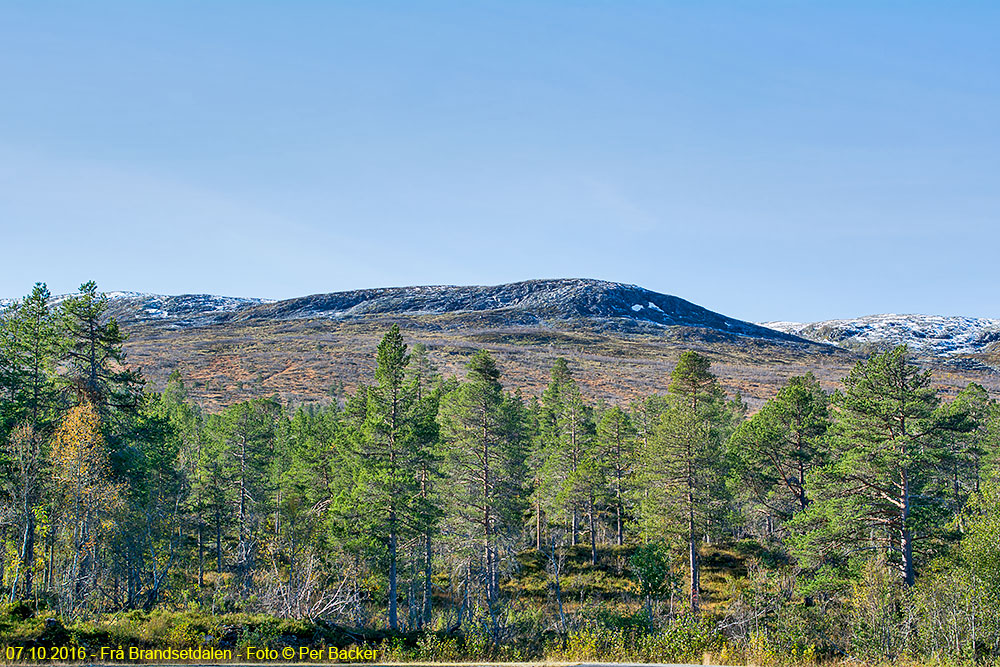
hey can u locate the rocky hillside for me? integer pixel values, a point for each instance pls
(613, 306)
(180, 311)
(927, 335)
(604, 305)
(622, 340)
(185, 310)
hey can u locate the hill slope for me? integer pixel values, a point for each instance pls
(962, 341)
(607, 305)
(622, 340)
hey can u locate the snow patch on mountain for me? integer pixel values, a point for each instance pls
(926, 335)
(607, 305)
(182, 310)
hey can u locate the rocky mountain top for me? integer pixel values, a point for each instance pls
(606, 305)
(611, 305)
(184, 310)
(926, 335)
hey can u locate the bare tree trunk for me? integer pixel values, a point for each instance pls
(17, 573)
(393, 619)
(218, 540)
(557, 589)
(428, 571)
(538, 522)
(593, 536)
(619, 532)
(28, 556)
(905, 537)
(693, 557)
(201, 553)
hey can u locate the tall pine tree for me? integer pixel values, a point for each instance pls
(886, 447)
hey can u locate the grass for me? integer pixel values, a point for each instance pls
(299, 360)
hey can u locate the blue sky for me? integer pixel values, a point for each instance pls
(768, 160)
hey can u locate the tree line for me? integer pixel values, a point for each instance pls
(413, 495)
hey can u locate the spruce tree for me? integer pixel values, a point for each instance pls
(28, 342)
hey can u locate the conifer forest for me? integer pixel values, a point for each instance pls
(441, 518)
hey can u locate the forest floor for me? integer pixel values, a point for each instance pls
(607, 590)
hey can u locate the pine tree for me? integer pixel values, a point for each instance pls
(966, 445)
(773, 451)
(567, 437)
(586, 489)
(617, 452)
(885, 445)
(484, 431)
(30, 404)
(682, 463)
(427, 433)
(389, 455)
(187, 426)
(92, 351)
(244, 439)
(210, 490)
(149, 534)
(535, 463)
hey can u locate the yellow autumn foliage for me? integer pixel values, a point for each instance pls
(80, 463)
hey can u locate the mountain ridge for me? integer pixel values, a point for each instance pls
(524, 303)
(936, 336)
(621, 340)
(610, 305)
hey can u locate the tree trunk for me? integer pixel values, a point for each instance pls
(619, 528)
(428, 571)
(28, 555)
(593, 537)
(201, 553)
(393, 619)
(218, 541)
(905, 538)
(538, 523)
(803, 498)
(487, 538)
(693, 557)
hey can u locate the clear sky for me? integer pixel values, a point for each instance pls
(768, 160)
